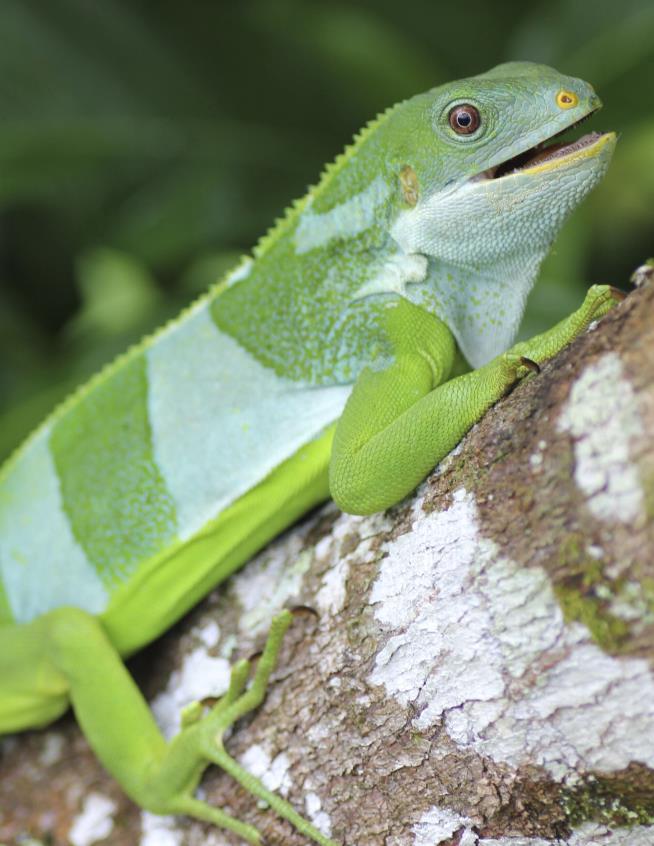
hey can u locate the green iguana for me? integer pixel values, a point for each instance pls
(349, 354)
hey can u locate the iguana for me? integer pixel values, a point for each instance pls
(345, 357)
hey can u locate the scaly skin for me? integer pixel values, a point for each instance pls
(383, 450)
(322, 365)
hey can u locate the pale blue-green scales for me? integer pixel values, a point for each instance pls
(194, 420)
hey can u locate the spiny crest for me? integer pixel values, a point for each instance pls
(296, 207)
(275, 231)
(105, 372)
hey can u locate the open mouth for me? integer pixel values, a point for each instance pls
(542, 152)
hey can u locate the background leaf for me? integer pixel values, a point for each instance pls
(145, 146)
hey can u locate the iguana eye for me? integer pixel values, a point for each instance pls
(566, 99)
(464, 119)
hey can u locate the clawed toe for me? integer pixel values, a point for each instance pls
(617, 294)
(530, 364)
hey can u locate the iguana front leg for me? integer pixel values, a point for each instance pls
(400, 422)
(74, 657)
(599, 300)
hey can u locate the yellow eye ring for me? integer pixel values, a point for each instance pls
(566, 99)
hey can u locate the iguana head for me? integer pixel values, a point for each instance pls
(484, 184)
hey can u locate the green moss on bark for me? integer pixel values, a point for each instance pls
(584, 594)
(617, 799)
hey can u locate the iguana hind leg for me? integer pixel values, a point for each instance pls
(33, 693)
(159, 776)
(204, 738)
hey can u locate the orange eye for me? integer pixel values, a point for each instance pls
(464, 119)
(566, 99)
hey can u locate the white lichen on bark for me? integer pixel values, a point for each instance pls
(200, 675)
(315, 812)
(602, 416)
(284, 565)
(160, 831)
(480, 643)
(95, 821)
(273, 772)
(589, 834)
(439, 825)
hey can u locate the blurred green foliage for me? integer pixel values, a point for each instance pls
(145, 145)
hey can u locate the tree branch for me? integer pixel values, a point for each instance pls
(480, 672)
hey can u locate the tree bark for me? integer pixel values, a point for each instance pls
(480, 669)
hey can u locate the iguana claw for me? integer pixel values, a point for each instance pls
(530, 364)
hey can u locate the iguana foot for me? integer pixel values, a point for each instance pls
(599, 300)
(202, 741)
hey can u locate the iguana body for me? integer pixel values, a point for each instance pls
(414, 254)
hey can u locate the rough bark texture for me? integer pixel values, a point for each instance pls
(480, 672)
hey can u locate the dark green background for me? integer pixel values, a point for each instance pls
(145, 145)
